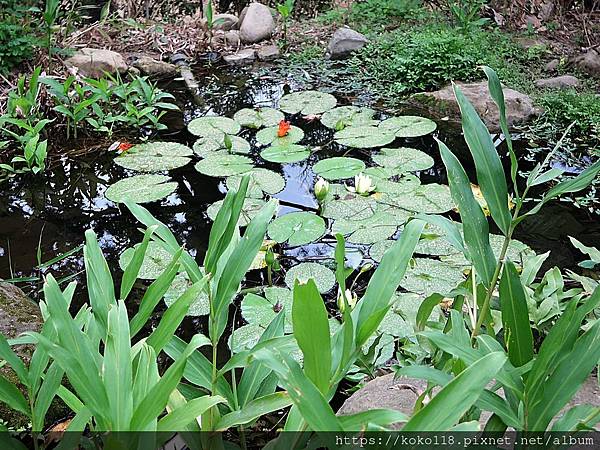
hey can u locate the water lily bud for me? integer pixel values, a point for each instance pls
(366, 268)
(321, 189)
(270, 257)
(363, 184)
(351, 298)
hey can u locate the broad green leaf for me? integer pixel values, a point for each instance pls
(297, 228)
(262, 310)
(515, 317)
(16, 364)
(258, 118)
(224, 165)
(179, 418)
(155, 260)
(213, 126)
(490, 173)
(285, 153)
(206, 147)
(12, 396)
(403, 159)
(312, 335)
(364, 137)
(426, 198)
(267, 181)
(322, 276)
(338, 168)
(408, 126)
(448, 406)
(379, 227)
(348, 116)
(269, 136)
(429, 276)
(253, 410)
(141, 189)
(307, 102)
(155, 157)
(475, 225)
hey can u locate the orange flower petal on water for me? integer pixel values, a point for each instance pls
(124, 146)
(284, 128)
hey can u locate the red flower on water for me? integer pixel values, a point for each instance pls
(284, 128)
(123, 147)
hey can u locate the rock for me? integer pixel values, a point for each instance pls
(562, 82)
(94, 62)
(258, 24)
(552, 65)
(268, 53)
(589, 62)
(243, 57)
(442, 104)
(153, 67)
(344, 42)
(401, 395)
(242, 17)
(232, 38)
(224, 22)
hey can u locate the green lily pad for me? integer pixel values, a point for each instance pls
(348, 116)
(245, 337)
(141, 189)
(338, 168)
(284, 154)
(261, 310)
(250, 209)
(155, 261)
(405, 184)
(378, 249)
(428, 276)
(426, 198)
(380, 173)
(323, 276)
(155, 157)
(264, 180)
(379, 227)
(268, 136)
(350, 206)
(213, 126)
(297, 228)
(403, 159)
(199, 307)
(307, 103)
(207, 146)
(409, 126)
(224, 165)
(401, 319)
(364, 137)
(433, 242)
(258, 118)
(517, 252)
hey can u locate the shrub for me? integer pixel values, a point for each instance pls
(16, 45)
(564, 107)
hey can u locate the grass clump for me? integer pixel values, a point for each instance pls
(567, 106)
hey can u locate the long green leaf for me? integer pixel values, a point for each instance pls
(254, 409)
(311, 330)
(475, 225)
(379, 417)
(515, 317)
(133, 268)
(46, 394)
(13, 397)
(179, 419)
(7, 354)
(449, 405)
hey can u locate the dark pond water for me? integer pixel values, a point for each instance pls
(49, 215)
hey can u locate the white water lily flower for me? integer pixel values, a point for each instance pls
(351, 298)
(321, 189)
(363, 184)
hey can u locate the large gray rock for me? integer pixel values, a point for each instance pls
(562, 82)
(224, 22)
(241, 58)
(589, 62)
(232, 38)
(268, 53)
(443, 104)
(155, 68)
(344, 42)
(94, 62)
(257, 24)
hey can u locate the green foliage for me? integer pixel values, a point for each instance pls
(465, 13)
(16, 45)
(369, 13)
(563, 107)
(285, 10)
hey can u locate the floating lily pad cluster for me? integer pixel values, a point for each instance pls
(374, 151)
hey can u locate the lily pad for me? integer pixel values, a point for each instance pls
(409, 126)
(307, 102)
(403, 159)
(428, 276)
(213, 126)
(364, 137)
(155, 261)
(350, 206)
(426, 198)
(348, 116)
(250, 209)
(284, 154)
(379, 227)
(380, 173)
(338, 168)
(141, 189)
(245, 337)
(405, 184)
(155, 157)
(268, 136)
(297, 228)
(265, 180)
(433, 242)
(199, 307)
(261, 310)
(323, 276)
(207, 146)
(517, 251)
(402, 316)
(224, 165)
(258, 118)
(378, 249)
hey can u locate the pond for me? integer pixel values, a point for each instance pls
(46, 218)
